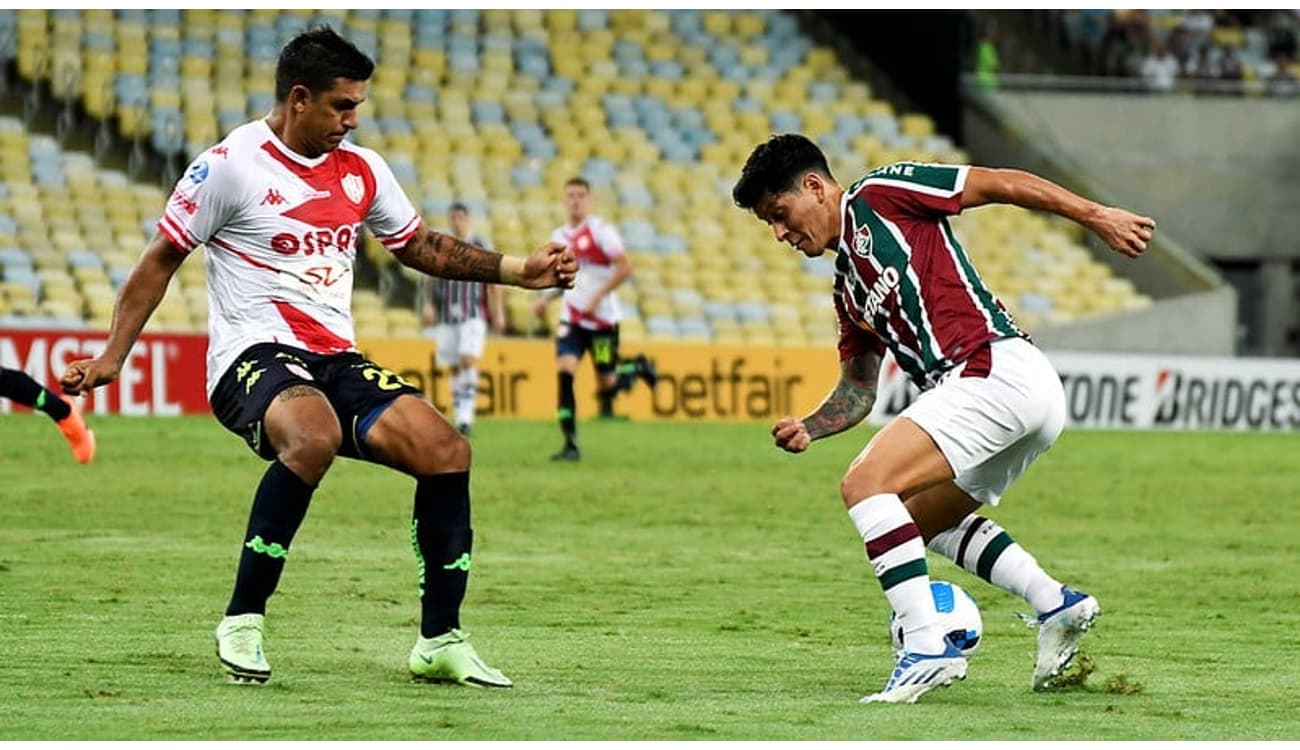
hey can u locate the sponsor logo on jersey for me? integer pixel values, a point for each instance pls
(862, 241)
(885, 283)
(316, 241)
(198, 172)
(273, 198)
(353, 187)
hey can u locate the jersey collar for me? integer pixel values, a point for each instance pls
(289, 153)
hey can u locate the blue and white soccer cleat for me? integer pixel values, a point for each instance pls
(917, 674)
(1059, 633)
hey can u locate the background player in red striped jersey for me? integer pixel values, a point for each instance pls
(278, 205)
(460, 312)
(991, 401)
(591, 314)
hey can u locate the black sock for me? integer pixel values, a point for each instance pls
(626, 376)
(19, 387)
(606, 398)
(278, 509)
(567, 411)
(442, 539)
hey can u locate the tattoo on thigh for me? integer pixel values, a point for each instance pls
(296, 391)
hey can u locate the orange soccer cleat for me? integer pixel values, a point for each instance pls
(80, 439)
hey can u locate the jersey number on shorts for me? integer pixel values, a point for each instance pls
(386, 379)
(602, 350)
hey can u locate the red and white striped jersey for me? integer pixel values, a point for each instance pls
(281, 233)
(596, 243)
(903, 281)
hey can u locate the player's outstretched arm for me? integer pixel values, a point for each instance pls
(141, 292)
(847, 404)
(1123, 231)
(444, 255)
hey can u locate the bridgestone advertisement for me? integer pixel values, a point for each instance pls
(1111, 391)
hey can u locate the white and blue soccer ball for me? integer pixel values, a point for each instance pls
(958, 613)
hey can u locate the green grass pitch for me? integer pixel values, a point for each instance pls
(685, 581)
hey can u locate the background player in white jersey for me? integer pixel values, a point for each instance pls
(279, 204)
(991, 402)
(589, 320)
(461, 312)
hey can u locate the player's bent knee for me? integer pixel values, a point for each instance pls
(859, 485)
(310, 454)
(449, 455)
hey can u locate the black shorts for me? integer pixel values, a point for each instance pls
(603, 344)
(357, 389)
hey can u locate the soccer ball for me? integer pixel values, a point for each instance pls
(958, 613)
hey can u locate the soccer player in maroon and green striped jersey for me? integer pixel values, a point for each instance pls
(991, 402)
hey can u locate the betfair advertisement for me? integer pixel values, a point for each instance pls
(517, 378)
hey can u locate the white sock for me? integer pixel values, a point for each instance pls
(467, 395)
(981, 546)
(897, 555)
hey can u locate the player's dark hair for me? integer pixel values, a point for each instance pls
(315, 58)
(580, 182)
(458, 206)
(776, 167)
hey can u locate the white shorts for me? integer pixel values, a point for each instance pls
(458, 340)
(992, 428)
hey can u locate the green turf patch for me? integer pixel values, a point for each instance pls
(684, 581)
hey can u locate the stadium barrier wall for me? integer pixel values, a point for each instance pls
(164, 376)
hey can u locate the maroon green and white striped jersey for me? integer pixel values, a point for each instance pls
(903, 281)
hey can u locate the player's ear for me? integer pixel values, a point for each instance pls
(813, 183)
(298, 97)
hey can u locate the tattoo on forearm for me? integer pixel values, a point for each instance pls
(851, 400)
(845, 407)
(451, 258)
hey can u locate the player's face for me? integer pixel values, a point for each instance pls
(797, 218)
(459, 221)
(325, 117)
(577, 202)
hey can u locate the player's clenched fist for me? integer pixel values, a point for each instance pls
(791, 435)
(85, 375)
(552, 265)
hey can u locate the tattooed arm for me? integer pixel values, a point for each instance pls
(439, 254)
(846, 405)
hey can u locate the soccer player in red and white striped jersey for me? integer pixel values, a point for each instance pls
(590, 318)
(278, 205)
(991, 401)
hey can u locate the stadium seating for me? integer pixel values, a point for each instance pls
(658, 109)
(1254, 46)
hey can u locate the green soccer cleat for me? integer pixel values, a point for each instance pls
(239, 646)
(450, 658)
